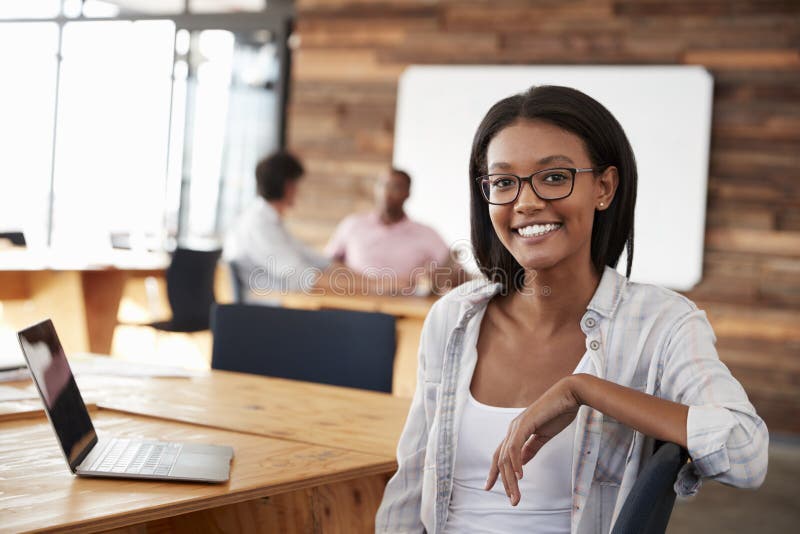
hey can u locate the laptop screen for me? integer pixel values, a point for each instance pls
(62, 400)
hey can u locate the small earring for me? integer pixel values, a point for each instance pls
(601, 204)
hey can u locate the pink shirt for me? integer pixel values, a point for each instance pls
(363, 242)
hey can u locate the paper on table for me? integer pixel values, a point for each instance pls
(15, 375)
(90, 364)
(8, 393)
(11, 359)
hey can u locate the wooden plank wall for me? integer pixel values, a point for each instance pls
(348, 55)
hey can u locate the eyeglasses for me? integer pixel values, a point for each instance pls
(548, 184)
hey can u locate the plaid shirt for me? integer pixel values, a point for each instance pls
(637, 335)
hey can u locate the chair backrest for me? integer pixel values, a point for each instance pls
(190, 287)
(339, 347)
(649, 504)
(237, 281)
(16, 238)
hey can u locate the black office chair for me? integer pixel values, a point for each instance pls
(190, 290)
(238, 281)
(16, 238)
(339, 347)
(649, 504)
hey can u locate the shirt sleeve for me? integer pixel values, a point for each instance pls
(336, 248)
(401, 508)
(314, 258)
(438, 251)
(727, 440)
(285, 260)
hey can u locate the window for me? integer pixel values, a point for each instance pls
(234, 112)
(39, 9)
(28, 64)
(147, 127)
(112, 130)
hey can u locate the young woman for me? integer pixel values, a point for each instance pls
(556, 374)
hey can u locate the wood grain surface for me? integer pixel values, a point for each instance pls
(331, 416)
(39, 492)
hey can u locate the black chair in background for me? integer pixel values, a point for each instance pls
(190, 290)
(237, 281)
(338, 347)
(649, 504)
(16, 238)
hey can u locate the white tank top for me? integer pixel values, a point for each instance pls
(545, 506)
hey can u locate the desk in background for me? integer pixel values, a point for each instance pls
(80, 291)
(82, 295)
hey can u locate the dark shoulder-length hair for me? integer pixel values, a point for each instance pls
(607, 146)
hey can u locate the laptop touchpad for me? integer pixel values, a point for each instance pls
(201, 466)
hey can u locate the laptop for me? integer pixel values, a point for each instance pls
(88, 455)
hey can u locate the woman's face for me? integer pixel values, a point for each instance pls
(542, 234)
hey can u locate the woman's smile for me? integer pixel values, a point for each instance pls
(537, 232)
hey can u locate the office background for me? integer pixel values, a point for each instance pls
(180, 167)
(347, 57)
(142, 120)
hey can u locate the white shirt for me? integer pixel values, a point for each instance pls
(545, 489)
(637, 335)
(267, 258)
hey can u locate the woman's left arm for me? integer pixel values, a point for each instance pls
(708, 413)
(661, 419)
(555, 409)
(725, 437)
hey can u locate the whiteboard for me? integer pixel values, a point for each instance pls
(664, 110)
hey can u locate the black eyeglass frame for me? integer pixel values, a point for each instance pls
(522, 179)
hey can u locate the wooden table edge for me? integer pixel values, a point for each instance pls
(135, 517)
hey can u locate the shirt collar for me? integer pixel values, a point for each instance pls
(376, 218)
(608, 293)
(605, 300)
(268, 211)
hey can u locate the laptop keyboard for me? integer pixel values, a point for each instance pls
(138, 457)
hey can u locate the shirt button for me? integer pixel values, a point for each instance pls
(594, 345)
(590, 322)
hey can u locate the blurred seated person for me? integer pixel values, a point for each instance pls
(266, 257)
(395, 253)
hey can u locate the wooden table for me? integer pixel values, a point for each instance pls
(309, 458)
(80, 291)
(351, 419)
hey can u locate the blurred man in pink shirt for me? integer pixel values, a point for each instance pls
(388, 247)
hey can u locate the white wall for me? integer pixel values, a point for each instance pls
(665, 111)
